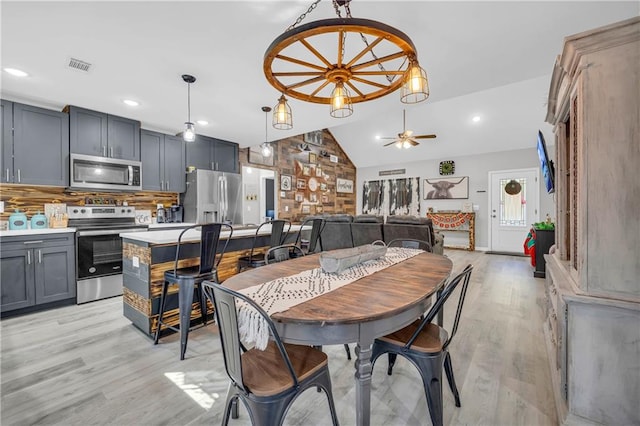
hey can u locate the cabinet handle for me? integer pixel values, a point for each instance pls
(7, 174)
(111, 152)
(29, 258)
(39, 256)
(213, 167)
(33, 242)
(104, 151)
(18, 175)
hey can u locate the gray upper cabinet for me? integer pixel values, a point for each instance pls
(104, 135)
(35, 147)
(213, 154)
(163, 162)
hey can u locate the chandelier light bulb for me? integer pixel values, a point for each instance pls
(416, 86)
(189, 134)
(340, 101)
(282, 116)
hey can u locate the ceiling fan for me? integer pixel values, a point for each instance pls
(407, 139)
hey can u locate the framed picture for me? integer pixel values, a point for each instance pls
(256, 157)
(313, 158)
(299, 197)
(313, 198)
(306, 209)
(319, 208)
(344, 185)
(301, 184)
(313, 138)
(323, 186)
(448, 188)
(285, 183)
(325, 198)
(306, 170)
(318, 171)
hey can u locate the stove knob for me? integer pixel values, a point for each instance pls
(75, 210)
(121, 210)
(128, 210)
(83, 211)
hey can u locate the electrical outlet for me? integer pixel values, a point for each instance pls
(1, 206)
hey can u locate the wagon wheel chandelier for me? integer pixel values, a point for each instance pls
(299, 64)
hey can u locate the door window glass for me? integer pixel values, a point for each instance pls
(513, 203)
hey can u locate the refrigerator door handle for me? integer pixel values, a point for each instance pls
(225, 197)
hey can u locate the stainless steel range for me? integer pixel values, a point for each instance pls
(99, 248)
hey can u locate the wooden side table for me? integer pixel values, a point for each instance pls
(456, 222)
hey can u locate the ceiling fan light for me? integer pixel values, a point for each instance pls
(341, 106)
(406, 145)
(399, 144)
(189, 134)
(282, 116)
(416, 86)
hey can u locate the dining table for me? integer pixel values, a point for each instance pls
(370, 307)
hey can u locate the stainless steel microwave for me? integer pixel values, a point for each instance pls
(107, 174)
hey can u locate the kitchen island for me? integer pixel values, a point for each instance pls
(147, 255)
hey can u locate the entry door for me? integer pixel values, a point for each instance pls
(514, 207)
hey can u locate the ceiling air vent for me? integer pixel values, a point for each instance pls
(79, 65)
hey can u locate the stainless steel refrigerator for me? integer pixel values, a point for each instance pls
(213, 197)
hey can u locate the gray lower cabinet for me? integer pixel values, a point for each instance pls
(104, 135)
(35, 145)
(37, 269)
(163, 162)
(213, 154)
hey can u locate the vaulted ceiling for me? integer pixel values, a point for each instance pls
(490, 59)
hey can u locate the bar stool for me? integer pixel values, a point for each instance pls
(309, 245)
(277, 237)
(190, 277)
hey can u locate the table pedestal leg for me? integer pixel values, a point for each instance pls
(363, 382)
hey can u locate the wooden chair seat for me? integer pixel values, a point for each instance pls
(265, 373)
(430, 340)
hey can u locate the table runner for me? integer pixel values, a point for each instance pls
(283, 293)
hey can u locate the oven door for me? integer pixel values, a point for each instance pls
(99, 252)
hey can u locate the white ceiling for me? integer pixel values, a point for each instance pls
(139, 50)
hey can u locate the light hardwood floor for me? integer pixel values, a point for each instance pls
(85, 365)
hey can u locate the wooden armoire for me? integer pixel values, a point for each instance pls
(593, 278)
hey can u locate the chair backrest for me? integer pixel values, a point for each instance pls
(279, 231)
(282, 253)
(317, 224)
(336, 233)
(366, 228)
(224, 302)
(463, 277)
(420, 228)
(411, 243)
(209, 239)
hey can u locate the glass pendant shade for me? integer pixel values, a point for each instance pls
(189, 134)
(416, 86)
(266, 149)
(341, 106)
(282, 117)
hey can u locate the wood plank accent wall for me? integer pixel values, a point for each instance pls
(289, 157)
(31, 199)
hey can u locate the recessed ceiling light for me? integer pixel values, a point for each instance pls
(202, 122)
(476, 119)
(378, 137)
(16, 72)
(131, 102)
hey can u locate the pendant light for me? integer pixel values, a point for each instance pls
(266, 149)
(416, 86)
(340, 101)
(189, 134)
(282, 117)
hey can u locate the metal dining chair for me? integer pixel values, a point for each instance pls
(309, 245)
(189, 278)
(282, 253)
(279, 232)
(411, 243)
(268, 381)
(426, 345)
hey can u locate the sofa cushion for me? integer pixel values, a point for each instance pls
(413, 220)
(368, 218)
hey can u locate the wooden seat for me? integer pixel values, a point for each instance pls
(267, 381)
(426, 345)
(189, 279)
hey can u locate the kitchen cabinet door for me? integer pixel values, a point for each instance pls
(151, 152)
(87, 131)
(54, 273)
(40, 146)
(7, 141)
(123, 136)
(225, 156)
(200, 153)
(174, 164)
(17, 275)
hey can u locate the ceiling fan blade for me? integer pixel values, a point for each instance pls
(391, 143)
(413, 142)
(395, 137)
(424, 136)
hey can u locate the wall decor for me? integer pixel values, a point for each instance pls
(373, 197)
(256, 157)
(319, 208)
(306, 209)
(313, 138)
(392, 172)
(285, 182)
(447, 167)
(404, 196)
(301, 184)
(323, 186)
(306, 170)
(318, 171)
(325, 198)
(344, 185)
(446, 188)
(313, 158)
(299, 197)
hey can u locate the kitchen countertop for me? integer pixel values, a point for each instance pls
(155, 226)
(171, 235)
(17, 233)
